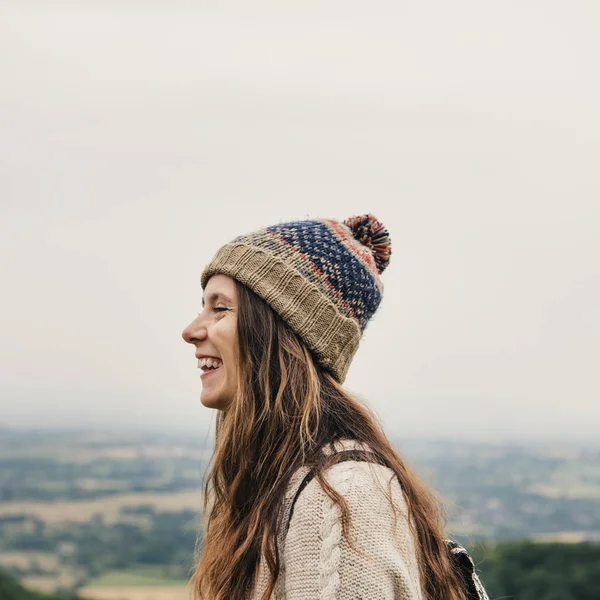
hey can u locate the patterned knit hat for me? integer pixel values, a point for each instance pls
(321, 276)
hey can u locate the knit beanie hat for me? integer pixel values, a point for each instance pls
(321, 276)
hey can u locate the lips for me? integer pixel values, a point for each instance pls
(206, 371)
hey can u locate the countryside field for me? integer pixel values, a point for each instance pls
(110, 508)
(136, 584)
(152, 592)
(111, 518)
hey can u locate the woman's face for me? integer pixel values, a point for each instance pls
(214, 334)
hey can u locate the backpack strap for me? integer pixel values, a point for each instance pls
(458, 555)
(461, 559)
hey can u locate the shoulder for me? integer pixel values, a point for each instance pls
(380, 562)
(366, 480)
(370, 492)
(365, 487)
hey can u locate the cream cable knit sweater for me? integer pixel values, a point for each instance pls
(318, 563)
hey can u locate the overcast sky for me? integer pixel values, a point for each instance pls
(137, 137)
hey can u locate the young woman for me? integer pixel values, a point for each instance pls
(305, 498)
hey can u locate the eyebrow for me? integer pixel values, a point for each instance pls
(216, 295)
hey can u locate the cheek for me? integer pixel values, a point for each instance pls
(232, 349)
(225, 340)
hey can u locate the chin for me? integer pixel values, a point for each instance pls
(217, 403)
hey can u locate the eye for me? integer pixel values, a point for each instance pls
(217, 309)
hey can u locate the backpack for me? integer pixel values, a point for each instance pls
(459, 556)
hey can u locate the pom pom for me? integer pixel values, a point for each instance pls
(371, 233)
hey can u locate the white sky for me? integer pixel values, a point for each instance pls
(137, 137)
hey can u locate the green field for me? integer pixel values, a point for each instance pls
(145, 576)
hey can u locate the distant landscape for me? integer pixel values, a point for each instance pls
(111, 515)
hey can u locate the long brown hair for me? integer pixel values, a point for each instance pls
(286, 410)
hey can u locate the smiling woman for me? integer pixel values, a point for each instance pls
(309, 500)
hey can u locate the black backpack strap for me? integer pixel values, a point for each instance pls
(459, 556)
(466, 566)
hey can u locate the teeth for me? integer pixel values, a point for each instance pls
(209, 362)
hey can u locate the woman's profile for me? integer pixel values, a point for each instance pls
(305, 497)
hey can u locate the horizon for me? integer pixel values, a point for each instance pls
(188, 435)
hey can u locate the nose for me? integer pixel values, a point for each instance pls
(194, 331)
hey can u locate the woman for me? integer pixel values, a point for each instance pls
(284, 309)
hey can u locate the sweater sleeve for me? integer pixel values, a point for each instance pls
(318, 562)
